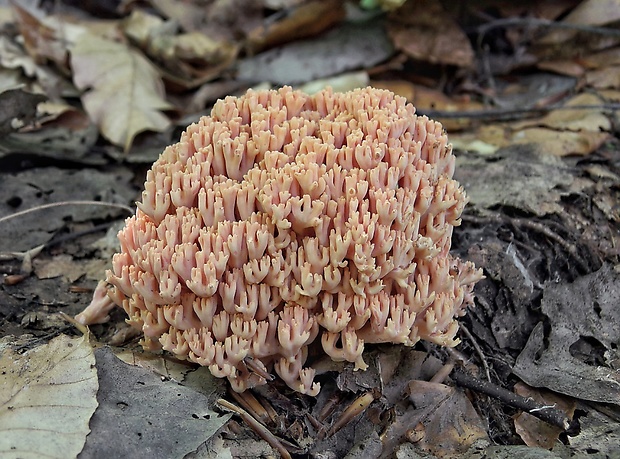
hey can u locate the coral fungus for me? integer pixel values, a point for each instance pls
(285, 219)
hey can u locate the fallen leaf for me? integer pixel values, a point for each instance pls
(124, 94)
(190, 15)
(47, 397)
(524, 177)
(604, 78)
(302, 21)
(19, 109)
(423, 30)
(60, 265)
(572, 42)
(348, 47)
(600, 433)
(11, 79)
(340, 83)
(561, 143)
(426, 99)
(444, 420)
(140, 415)
(532, 430)
(45, 37)
(574, 119)
(40, 186)
(582, 314)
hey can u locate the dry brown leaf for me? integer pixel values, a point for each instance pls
(303, 21)
(610, 95)
(578, 119)
(450, 424)
(561, 143)
(432, 99)
(47, 397)
(423, 30)
(562, 67)
(532, 430)
(189, 14)
(594, 12)
(604, 78)
(46, 37)
(60, 265)
(188, 59)
(572, 42)
(124, 93)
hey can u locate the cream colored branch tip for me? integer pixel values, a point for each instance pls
(285, 220)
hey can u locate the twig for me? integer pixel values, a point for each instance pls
(82, 328)
(443, 372)
(357, 407)
(66, 203)
(478, 350)
(256, 426)
(512, 113)
(252, 405)
(536, 22)
(549, 414)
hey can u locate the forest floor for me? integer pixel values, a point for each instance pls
(529, 96)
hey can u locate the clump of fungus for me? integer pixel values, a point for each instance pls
(283, 219)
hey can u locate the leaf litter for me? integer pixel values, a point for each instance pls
(530, 89)
(47, 397)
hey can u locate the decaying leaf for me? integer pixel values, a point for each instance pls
(47, 397)
(521, 176)
(18, 109)
(532, 430)
(447, 423)
(40, 186)
(585, 324)
(140, 415)
(124, 94)
(425, 31)
(600, 434)
(60, 265)
(304, 20)
(348, 47)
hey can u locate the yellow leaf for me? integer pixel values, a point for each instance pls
(124, 91)
(47, 397)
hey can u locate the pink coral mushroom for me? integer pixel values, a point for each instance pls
(285, 219)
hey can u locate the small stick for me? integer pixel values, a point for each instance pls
(251, 404)
(67, 203)
(353, 410)
(443, 372)
(549, 414)
(256, 426)
(478, 350)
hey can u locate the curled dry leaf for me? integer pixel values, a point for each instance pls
(47, 397)
(425, 31)
(124, 94)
